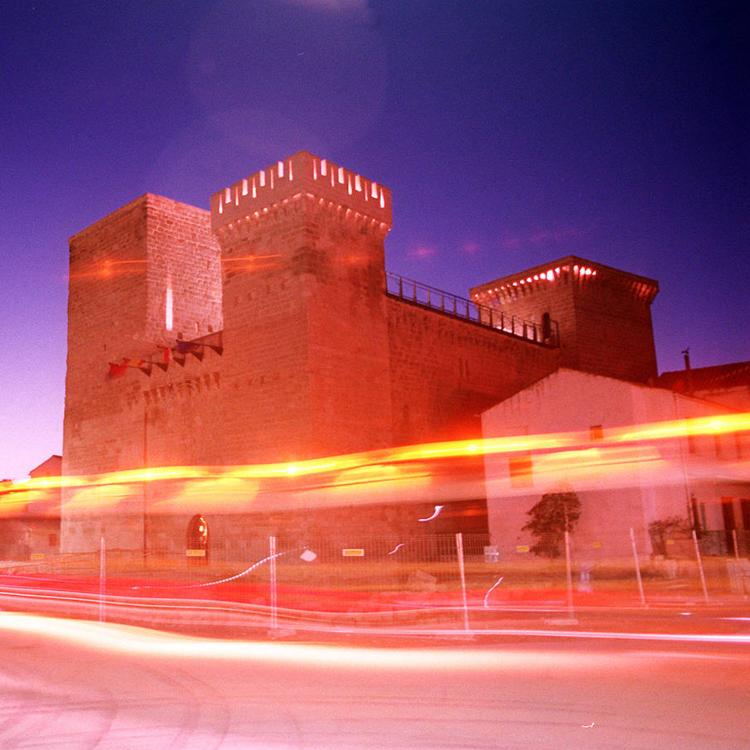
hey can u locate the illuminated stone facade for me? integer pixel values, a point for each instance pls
(270, 333)
(602, 315)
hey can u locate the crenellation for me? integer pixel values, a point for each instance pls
(565, 271)
(602, 315)
(302, 174)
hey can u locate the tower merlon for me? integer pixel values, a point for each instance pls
(302, 174)
(570, 269)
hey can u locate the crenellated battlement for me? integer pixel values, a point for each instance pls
(299, 175)
(603, 313)
(568, 270)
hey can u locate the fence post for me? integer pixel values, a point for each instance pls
(569, 575)
(700, 565)
(736, 548)
(637, 567)
(272, 561)
(102, 577)
(460, 553)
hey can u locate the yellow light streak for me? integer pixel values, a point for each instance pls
(545, 444)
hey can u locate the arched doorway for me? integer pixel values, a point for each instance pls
(197, 539)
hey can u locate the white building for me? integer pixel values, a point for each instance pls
(621, 480)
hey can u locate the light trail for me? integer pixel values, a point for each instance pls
(132, 640)
(108, 269)
(217, 582)
(129, 639)
(490, 590)
(251, 262)
(622, 450)
(435, 514)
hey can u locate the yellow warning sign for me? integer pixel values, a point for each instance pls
(37, 555)
(195, 552)
(353, 552)
(522, 548)
(596, 545)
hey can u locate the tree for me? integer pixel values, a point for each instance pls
(549, 519)
(671, 527)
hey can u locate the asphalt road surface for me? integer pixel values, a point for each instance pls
(70, 684)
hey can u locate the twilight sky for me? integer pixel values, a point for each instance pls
(511, 133)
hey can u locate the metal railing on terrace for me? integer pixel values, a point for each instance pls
(423, 295)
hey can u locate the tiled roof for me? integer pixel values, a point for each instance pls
(718, 377)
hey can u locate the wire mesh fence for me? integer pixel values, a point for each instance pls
(382, 577)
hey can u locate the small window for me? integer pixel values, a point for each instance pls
(596, 432)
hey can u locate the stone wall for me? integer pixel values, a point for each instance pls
(446, 371)
(120, 270)
(603, 314)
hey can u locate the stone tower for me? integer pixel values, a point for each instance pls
(139, 277)
(306, 333)
(603, 315)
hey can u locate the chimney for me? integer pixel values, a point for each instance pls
(686, 356)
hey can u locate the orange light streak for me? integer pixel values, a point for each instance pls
(545, 444)
(108, 269)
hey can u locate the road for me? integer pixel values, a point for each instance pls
(72, 684)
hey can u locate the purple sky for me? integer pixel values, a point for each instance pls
(510, 133)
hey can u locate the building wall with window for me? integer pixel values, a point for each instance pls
(622, 483)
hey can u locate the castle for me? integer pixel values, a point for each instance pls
(267, 329)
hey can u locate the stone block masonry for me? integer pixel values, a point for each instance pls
(140, 277)
(287, 269)
(603, 314)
